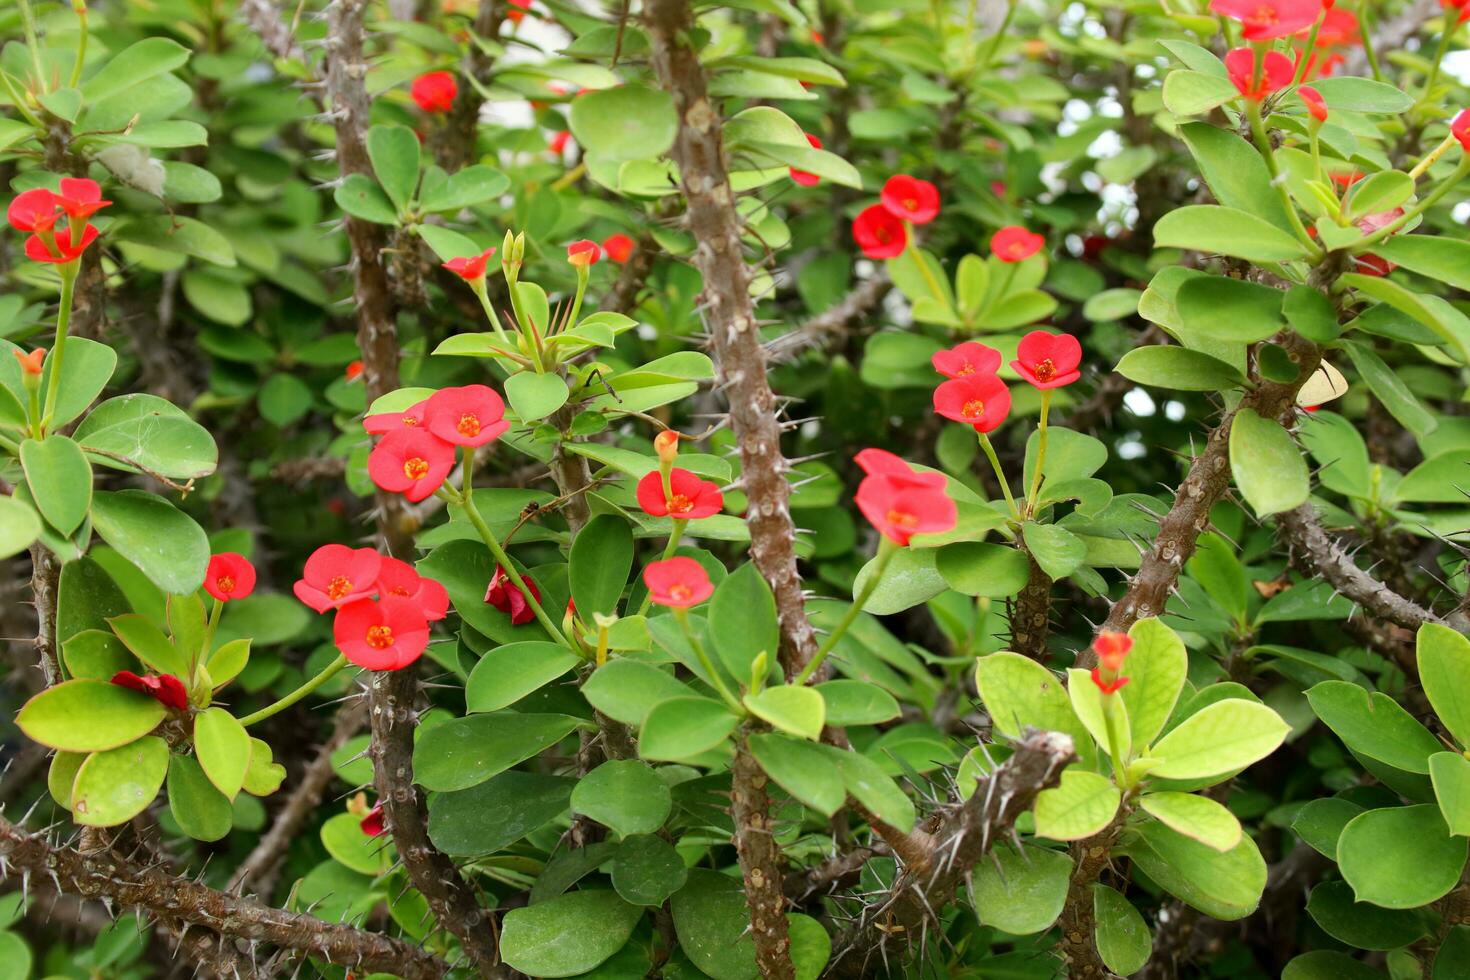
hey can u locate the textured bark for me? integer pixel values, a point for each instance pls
(1203, 487)
(831, 325)
(45, 582)
(264, 20)
(454, 145)
(571, 473)
(1031, 614)
(105, 876)
(377, 331)
(1078, 924)
(966, 832)
(716, 226)
(450, 897)
(259, 870)
(760, 864)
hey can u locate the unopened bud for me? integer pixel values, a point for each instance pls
(30, 364)
(667, 445)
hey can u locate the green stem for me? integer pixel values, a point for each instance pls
(1410, 214)
(1365, 18)
(326, 674)
(1263, 144)
(478, 286)
(76, 70)
(718, 682)
(533, 343)
(1035, 490)
(1301, 69)
(1317, 154)
(1452, 27)
(33, 43)
(581, 291)
(1432, 157)
(934, 288)
(68, 274)
(209, 631)
(887, 548)
(997, 37)
(1000, 474)
(674, 536)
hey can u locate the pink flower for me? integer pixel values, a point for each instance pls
(410, 461)
(1240, 63)
(469, 416)
(80, 198)
(979, 400)
(1460, 127)
(1015, 244)
(968, 358)
(1048, 360)
(166, 689)
(583, 253)
(690, 497)
(385, 635)
(678, 583)
(385, 422)
(435, 91)
(1262, 20)
(335, 575)
(63, 251)
(400, 580)
(506, 596)
(470, 267)
(879, 233)
(915, 201)
(619, 247)
(34, 210)
(899, 502)
(1314, 102)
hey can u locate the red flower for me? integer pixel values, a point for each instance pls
(966, 359)
(30, 363)
(354, 371)
(34, 210)
(336, 575)
(515, 15)
(583, 253)
(469, 416)
(690, 497)
(1048, 360)
(1313, 99)
(879, 233)
(1265, 19)
(470, 267)
(1369, 264)
(1460, 127)
(372, 824)
(166, 689)
(1339, 28)
(619, 247)
(1241, 65)
(39, 250)
(1015, 244)
(979, 400)
(559, 141)
(386, 635)
(413, 462)
(802, 177)
(1347, 178)
(229, 576)
(900, 502)
(80, 198)
(915, 201)
(1105, 685)
(435, 91)
(385, 422)
(400, 580)
(506, 596)
(1461, 5)
(1111, 648)
(677, 582)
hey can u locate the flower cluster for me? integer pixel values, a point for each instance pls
(900, 501)
(416, 452)
(974, 393)
(1111, 649)
(881, 230)
(38, 211)
(383, 606)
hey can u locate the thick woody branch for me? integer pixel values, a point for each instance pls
(107, 877)
(449, 896)
(1031, 613)
(263, 18)
(760, 865)
(626, 290)
(45, 582)
(927, 883)
(717, 226)
(1203, 487)
(1078, 923)
(829, 326)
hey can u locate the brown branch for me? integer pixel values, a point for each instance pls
(966, 833)
(263, 18)
(632, 277)
(455, 144)
(717, 226)
(1078, 923)
(45, 582)
(760, 864)
(405, 815)
(259, 870)
(1203, 487)
(831, 325)
(107, 877)
(1031, 613)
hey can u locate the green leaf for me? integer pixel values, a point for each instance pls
(1444, 670)
(465, 188)
(1311, 314)
(1122, 937)
(1194, 816)
(88, 597)
(1319, 822)
(1224, 886)
(178, 234)
(114, 786)
(343, 837)
(1374, 725)
(394, 152)
(142, 430)
(60, 480)
(165, 543)
(742, 621)
(1390, 389)
(1019, 692)
(601, 557)
(795, 709)
(1447, 322)
(680, 728)
(988, 570)
(149, 644)
(627, 690)
(647, 870)
(628, 122)
(1058, 551)
(1021, 892)
(85, 371)
(361, 197)
(534, 396)
(464, 752)
(873, 788)
(766, 137)
(1080, 806)
(1362, 95)
(511, 672)
(95, 654)
(225, 664)
(1441, 479)
(1105, 720)
(713, 926)
(806, 771)
(134, 64)
(1378, 846)
(1378, 193)
(1179, 368)
(1220, 308)
(1232, 168)
(1227, 232)
(568, 934)
(200, 810)
(1193, 93)
(1157, 666)
(62, 774)
(626, 796)
(497, 813)
(1449, 772)
(223, 748)
(1219, 739)
(811, 947)
(1359, 924)
(1267, 464)
(909, 579)
(851, 702)
(19, 526)
(1435, 256)
(265, 775)
(88, 716)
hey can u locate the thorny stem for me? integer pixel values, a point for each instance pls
(322, 676)
(887, 548)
